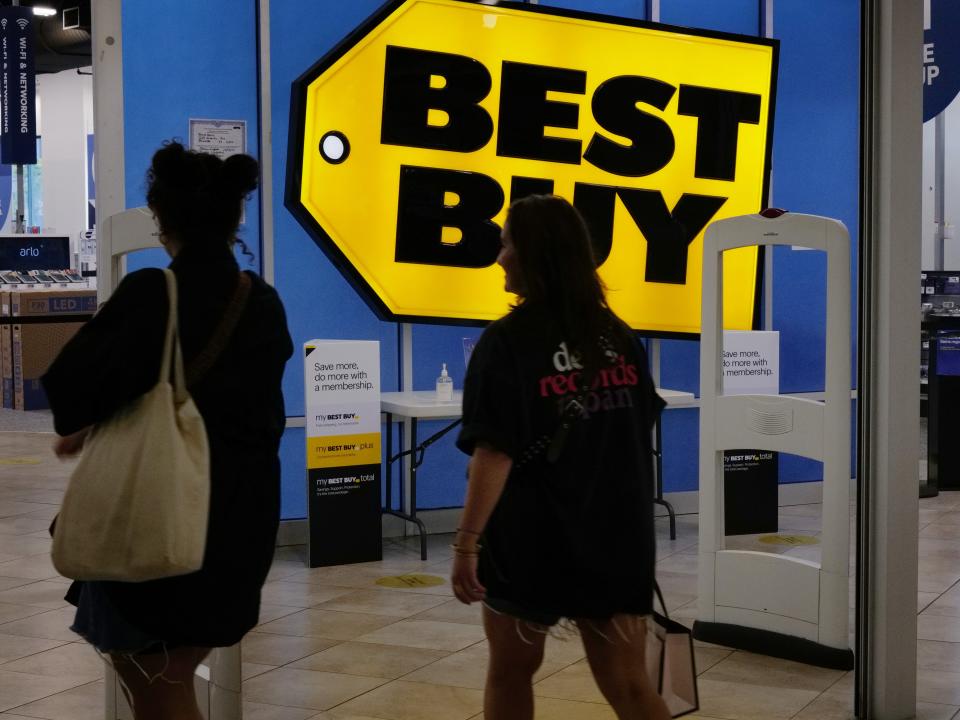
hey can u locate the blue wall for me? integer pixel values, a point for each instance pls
(636, 9)
(175, 67)
(203, 74)
(816, 170)
(735, 16)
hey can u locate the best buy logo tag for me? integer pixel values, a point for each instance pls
(411, 139)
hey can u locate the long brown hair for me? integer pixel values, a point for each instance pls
(557, 268)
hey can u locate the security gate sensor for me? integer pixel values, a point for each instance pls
(772, 604)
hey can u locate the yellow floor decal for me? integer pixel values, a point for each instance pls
(789, 540)
(412, 580)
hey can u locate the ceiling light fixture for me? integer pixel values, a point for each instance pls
(43, 11)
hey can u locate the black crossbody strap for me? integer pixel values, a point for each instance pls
(551, 446)
(572, 412)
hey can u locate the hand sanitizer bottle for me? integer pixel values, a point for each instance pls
(444, 385)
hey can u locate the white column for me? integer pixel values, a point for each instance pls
(64, 152)
(108, 129)
(766, 27)
(266, 146)
(653, 8)
(890, 327)
(107, 53)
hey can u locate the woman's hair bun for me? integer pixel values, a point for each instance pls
(240, 174)
(168, 161)
(196, 196)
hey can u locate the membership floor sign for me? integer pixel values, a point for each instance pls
(342, 381)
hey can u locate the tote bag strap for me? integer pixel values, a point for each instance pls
(171, 344)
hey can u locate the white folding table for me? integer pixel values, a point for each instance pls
(415, 405)
(424, 405)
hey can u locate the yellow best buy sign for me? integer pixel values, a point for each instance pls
(410, 140)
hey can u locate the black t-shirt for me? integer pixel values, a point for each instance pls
(575, 537)
(115, 358)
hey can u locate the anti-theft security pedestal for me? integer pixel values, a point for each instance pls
(766, 603)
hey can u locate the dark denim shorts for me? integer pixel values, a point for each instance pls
(515, 610)
(98, 621)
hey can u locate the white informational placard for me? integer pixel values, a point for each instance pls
(343, 387)
(342, 382)
(751, 362)
(222, 138)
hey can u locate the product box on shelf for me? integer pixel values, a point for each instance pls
(41, 323)
(53, 302)
(34, 347)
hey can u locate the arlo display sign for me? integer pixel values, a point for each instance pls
(410, 139)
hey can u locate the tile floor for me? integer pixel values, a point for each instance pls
(334, 645)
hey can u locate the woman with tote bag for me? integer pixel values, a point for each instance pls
(231, 330)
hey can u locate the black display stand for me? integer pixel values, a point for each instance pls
(943, 405)
(344, 515)
(750, 492)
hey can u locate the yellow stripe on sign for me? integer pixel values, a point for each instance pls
(343, 450)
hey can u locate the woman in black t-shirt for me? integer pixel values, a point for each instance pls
(544, 538)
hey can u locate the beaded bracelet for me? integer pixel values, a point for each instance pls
(466, 553)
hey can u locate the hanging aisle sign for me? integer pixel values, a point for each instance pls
(18, 89)
(410, 139)
(941, 55)
(342, 380)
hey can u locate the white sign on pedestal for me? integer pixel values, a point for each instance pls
(751, 362)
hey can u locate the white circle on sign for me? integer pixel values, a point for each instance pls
(334, 147)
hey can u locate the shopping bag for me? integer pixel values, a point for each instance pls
(137, 504)
(670, 662)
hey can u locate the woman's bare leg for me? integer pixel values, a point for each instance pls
(160, 685)
(516, 653)
(616, 651)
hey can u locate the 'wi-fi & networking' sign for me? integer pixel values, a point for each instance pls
(18, 120)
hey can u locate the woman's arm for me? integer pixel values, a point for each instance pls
(70, 445)
(489, 469)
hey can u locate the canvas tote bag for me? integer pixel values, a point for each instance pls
(137, 503)
(670, 662)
